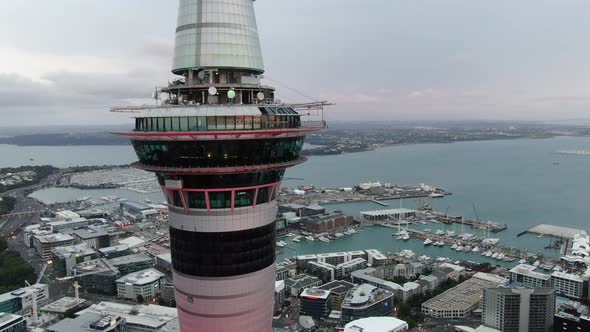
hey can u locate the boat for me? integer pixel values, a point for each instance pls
(475, 249)
(536, 264)
(323, 239)
(489, 254)
(467, 248)
(339, 235)
(495, 255)
(460, 248)
(451, 234)
(490, 242)
(423, 258)
(427, 242)
(439, 232)
(454, 246)
(522, 261)
(439, 243)
(297, 239)
(428, 230)
(281, 244)
(483, 253)
(501, 256)
(310, 238)
(406, 237)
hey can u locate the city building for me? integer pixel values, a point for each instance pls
(138, 211)
(461, 300)
(314, 302)
(409, 270)
(326, 222)
(22, 300)
(365, 301)
(570, 285)
(12, 323)
(219, 144)
(282, 273)
(565, 322)
(132, 263)
(302, 210)
(95, 238)
(526, 274)
(377, 324)
(324, 271)
(333, 258)
(97, 276)
(295, 285)
(65, 258)
(302, 261)
(90, 322)
(145, 284)
(338, 290)
(164, 262)
(45, 243)
(167, 294)
(344, 270)
(63, 307)
(280, 295)
(518, 309)
(376, 258)
(114, 251)
(138, 318)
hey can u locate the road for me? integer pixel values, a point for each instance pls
(13, 224)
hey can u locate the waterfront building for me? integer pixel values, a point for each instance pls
(137, 211)
(452, 271)
(302, 261)
(138, 318)
(314, 302)
(344, 270)
(324, 271)
(219, 144)
(45, 243)
(377, 324)
(132, 263)
(570, 285)
(526, 274)
(518, 309)
(338, 290)
(461, 300)
(333, 258)
(302, 210)
(146, 283)
(357, 254)
(295, 285)
(65, 258)
(387, 215)
(376, 258)
(366, 300)
(409, 270)
(12, 323)
(90, 322)
(95, 238)
(280, 295)
(565, 322)
(325, 223)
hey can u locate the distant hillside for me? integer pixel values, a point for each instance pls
(65, 139)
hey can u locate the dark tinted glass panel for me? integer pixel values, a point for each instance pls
(225, 180)
(196, 200)
(218, 153)
(244, 198)
(220, 200)
(223, 254)
(177, 200)
(262, 196)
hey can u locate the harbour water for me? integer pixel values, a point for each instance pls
(521, 183)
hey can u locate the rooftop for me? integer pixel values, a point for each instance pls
(315, 294)
(387, 212)
(376, 324)
(152, 316)
(90, 233)
(337, 286)
(365, 295)
(142, 277)
(54, 238)
(568, 276)
(63, 305)
(529, 270)
(130, 259)
(81, 249)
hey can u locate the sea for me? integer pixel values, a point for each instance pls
(521, 183)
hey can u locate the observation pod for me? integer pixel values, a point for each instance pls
(219, 143)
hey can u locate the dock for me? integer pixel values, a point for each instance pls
(377, 202)
(555, 231)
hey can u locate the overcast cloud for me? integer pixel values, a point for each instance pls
(68, 61)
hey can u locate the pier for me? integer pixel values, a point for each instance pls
(555, 231)
(377, 202)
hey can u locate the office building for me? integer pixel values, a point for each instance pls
(45, 243)
(12, 323)
(65, 258)
(338, 290)
(295, 285)
(20, 301)
(97, 276)
(114, 251)
(90, 322)
(280, 295)
(145, 285)
(314, 302)
(95, 238)
(132, 263)
(565, 322)
(365, 301)
(324, 271)
(518, 309)
(138, 318)
(461, 300)
(164, 262)
(526, 274)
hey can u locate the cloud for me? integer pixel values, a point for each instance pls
(16, 90)
(157, 47)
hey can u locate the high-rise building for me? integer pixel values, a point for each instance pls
(519, 309)
(219, 144)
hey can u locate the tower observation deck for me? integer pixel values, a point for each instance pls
(219, 143)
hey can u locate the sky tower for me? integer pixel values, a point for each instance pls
(219, 143)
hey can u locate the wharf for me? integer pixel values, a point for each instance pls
(555, 231)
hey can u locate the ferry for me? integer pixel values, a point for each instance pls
(427, 242)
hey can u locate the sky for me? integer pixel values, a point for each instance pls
(69, 61)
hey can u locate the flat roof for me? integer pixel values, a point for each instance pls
(375, 213)
(6, 318)
(63, 305)
(89, 233)
(152, 316)
(81, 249)
(53, 238)
(315, 293)
(529, 270)
(337, 286)
(130, 259)
(553, 230)
(376, 324)
(568, 276)
(143, 277)
(132, 241)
